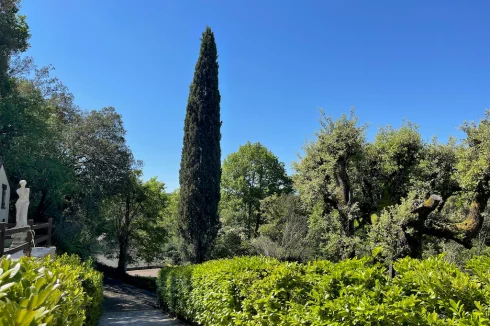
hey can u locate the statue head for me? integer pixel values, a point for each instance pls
(23, 183)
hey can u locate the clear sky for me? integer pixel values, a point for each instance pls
(280, 61)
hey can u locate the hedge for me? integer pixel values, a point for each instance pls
(64, 291)
(264, 291)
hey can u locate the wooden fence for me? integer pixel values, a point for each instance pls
(30, 241)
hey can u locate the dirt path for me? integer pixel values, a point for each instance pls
(152, 272)
(127, 305)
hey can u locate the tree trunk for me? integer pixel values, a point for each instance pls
(249, 220)
(411, 242)
(199, 250)
(462, 233)
(257, 224)
(123, 257)
(124, 238)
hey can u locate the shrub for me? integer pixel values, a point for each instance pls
(222, 285)
(174, 288)
(41, 292)
(263, 291)
(91, 283)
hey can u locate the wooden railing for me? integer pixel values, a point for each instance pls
(30, 241)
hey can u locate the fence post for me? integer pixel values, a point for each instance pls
(3, 226)
(50, 231)
(30, 238)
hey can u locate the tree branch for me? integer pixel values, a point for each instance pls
(462, 232)
(343, 182)
(427, 207)
(465, 231)
(446, 233)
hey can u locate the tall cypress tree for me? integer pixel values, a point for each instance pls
(200, 167)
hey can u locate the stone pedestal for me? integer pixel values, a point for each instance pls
(18, 239)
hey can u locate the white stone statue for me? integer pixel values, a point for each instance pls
(22, 204)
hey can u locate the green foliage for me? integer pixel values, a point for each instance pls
(231, 242)
(174, 288)
(419, 193)
(151, 235)
(171, 248)
(284, 232)
(91, 283)
(324, 179)
(386, 231)
(474, 157)
(99, 151)
(75, 159)
(224, 283)
(101, 161)
(29, 126)
(263, 291)
(437, 167)
(337, 144)
(200, 167)
(397, 153)
(14, 34)
(134, 221)
(249, 176)
(61, 292)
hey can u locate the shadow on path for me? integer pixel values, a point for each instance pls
(128, 305)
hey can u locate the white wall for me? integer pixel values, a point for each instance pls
(4, 212)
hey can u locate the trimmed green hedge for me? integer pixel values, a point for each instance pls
(264, 291)
(61, 292)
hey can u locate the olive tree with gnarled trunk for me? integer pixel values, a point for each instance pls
(394, 189)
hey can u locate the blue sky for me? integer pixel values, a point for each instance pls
(280, 61)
